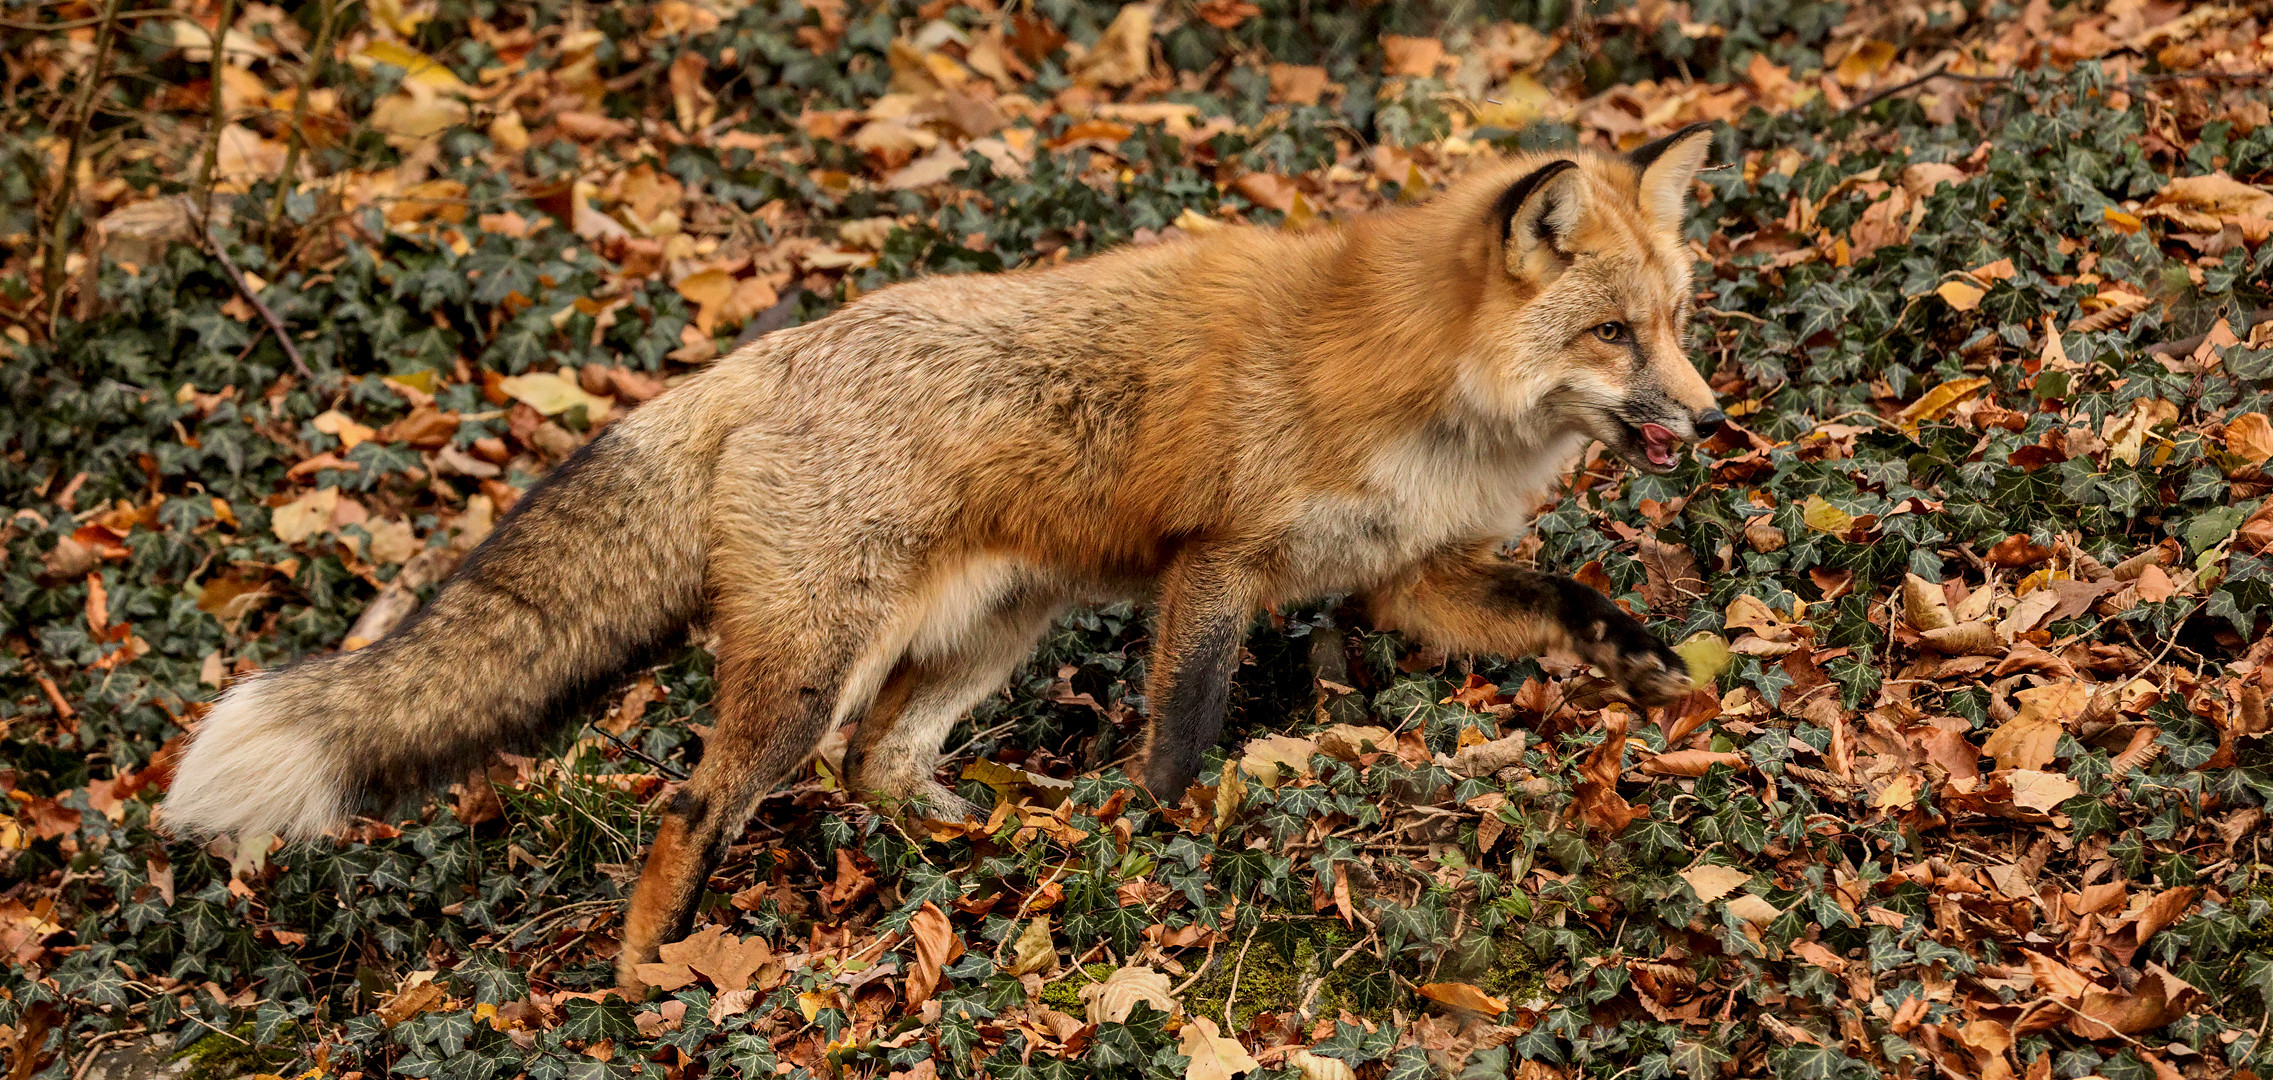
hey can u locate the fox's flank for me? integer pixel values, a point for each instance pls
(879, 513)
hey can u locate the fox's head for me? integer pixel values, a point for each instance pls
(1593, 284)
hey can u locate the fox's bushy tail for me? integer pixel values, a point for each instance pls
(596, 568)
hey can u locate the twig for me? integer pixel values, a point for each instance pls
(267, 314)
(1237, 969)
(91, 20)
(83, 112)
(1194, 977)
(1303, 1010)
(636, 752)
(95, 1046)
(325, 25)
(220, 113)
(1942, 72)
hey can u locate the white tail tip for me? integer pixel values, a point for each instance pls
(254, 767)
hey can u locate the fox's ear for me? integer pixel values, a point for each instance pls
(1666, 167)
(1537, 217)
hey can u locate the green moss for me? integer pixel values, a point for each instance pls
(1064, 993)
(224, 1057)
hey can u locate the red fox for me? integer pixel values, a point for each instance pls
(878, 513)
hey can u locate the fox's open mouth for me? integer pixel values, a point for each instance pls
(1652, 447)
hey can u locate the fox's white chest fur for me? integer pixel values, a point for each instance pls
(1420, 496)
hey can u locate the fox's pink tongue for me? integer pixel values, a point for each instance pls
(1658, 442)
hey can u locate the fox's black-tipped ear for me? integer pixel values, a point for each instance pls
(1537, 216)
(1666, 166)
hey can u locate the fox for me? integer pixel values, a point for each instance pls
(877, 514)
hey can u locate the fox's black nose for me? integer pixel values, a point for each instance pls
(1708, 423)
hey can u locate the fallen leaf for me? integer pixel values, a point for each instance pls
(1213, 1055)
(1460, 995)
(1712, 881)
(2040, 791)
(1034, 951)
(305, 516)
(2250, 437)
(1274, 759)
(1962, 295)
(553, 393)
(1937, 402)
(936, 944)
(1109, 1001)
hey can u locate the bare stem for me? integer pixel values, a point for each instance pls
(204, 185)
(326, 25)
(82, 113)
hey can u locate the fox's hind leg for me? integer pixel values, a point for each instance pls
(896, 748)
(792, 655)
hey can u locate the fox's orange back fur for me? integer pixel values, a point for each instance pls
(879, 512)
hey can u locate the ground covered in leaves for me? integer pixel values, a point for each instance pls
(1980, 576)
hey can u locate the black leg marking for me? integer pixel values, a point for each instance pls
(1188, 722)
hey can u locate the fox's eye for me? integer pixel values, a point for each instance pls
(1612, 332)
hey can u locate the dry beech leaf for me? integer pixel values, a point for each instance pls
(937, 945)
(1109, 1001)
(1214, 1055)
(1034, 950)
(1274, 759)
(1711, 881)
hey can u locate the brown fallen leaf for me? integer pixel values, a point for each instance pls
(937, 945)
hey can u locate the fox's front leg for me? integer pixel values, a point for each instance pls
(1207, 598)
(1476, 601)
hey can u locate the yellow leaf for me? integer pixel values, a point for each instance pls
(2041, 791)
(1902, 792)
(1461, 995)
(1868, 59)
(1962, 295)
(1707, 656)
(708, 290)
(1754, 910)
(337, 423)
(1299, 215)
(1517, 104)
(1192, 221)
(1937, 402)
(1109, 1002)
(2026, 741)
(418, 67)
(2125, 223)
(553, 393)
(1823, 517)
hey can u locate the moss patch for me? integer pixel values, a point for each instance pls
(221, 1057)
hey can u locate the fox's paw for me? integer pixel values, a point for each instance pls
(1643, 667)
(1648, 672)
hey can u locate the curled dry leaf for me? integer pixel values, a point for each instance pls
(1109, 1001)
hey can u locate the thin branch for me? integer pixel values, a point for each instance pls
(91, 20)
(82, 113)
(204, 185)
(636, 752)
(1943, 72)
(327, 23)
(268, 314)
